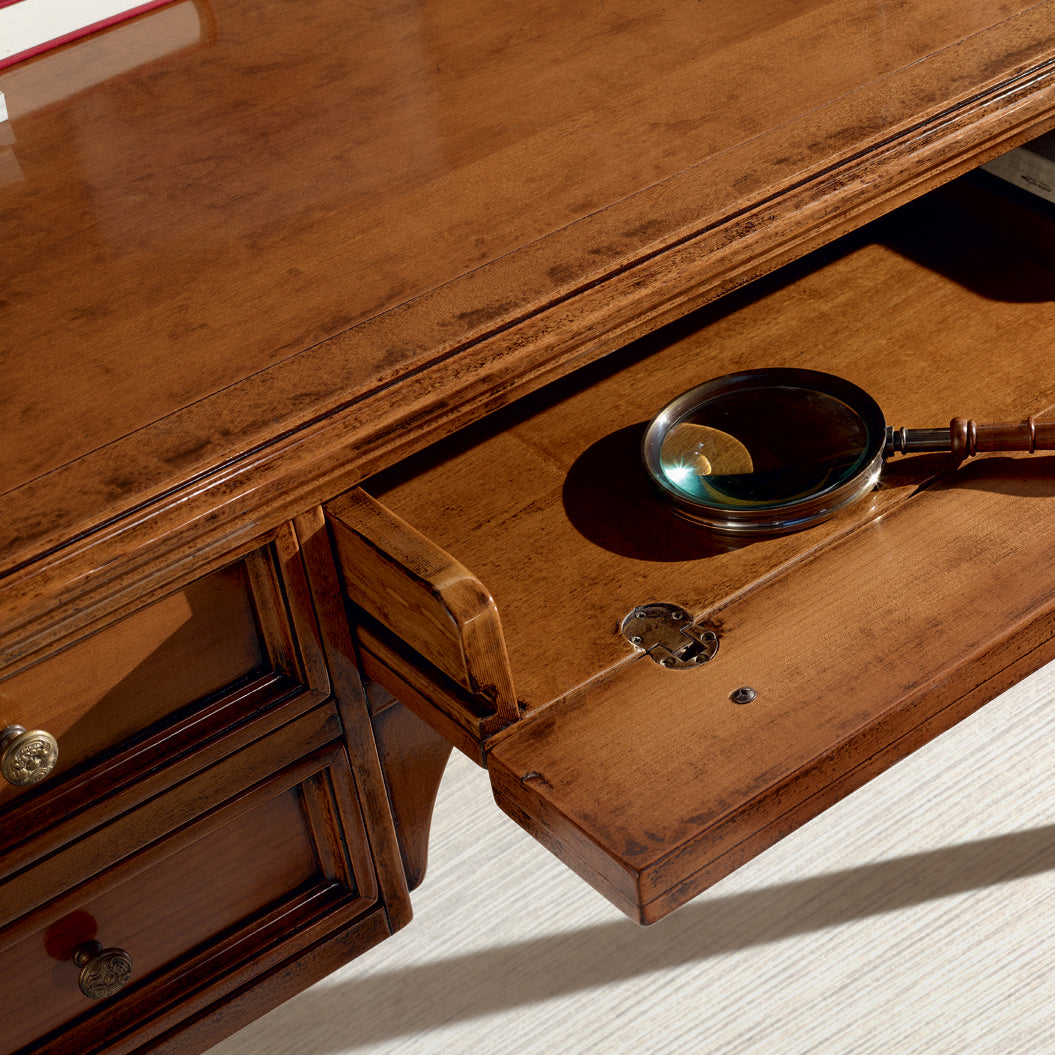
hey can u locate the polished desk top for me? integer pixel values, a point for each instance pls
(242, 275)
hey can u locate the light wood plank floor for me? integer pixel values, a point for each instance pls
(916, 916)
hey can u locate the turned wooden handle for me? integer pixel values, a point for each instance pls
(969, 438)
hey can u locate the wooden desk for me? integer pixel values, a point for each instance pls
(245, 276)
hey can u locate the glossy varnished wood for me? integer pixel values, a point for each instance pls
(371, 781)
(246, 275)
(142, 703)
(197, 708)
(862, 637)
(270, 264)
(120, 682)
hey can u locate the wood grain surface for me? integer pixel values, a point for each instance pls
(866, 636)
(138, 673)
(159, 911)
(424, 597)
(170, 880)
(652, 783)
(246, 275)
(413, 759)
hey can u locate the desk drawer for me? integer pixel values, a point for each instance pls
(861, 637)
(136, 694)
(276, 859)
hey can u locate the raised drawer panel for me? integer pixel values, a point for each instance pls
(125, 704)
(122, 680)
(242, 887)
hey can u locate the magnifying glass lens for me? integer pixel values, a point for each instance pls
(755, 447)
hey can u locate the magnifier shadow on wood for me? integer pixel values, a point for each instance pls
(608, 498)
(766, 452)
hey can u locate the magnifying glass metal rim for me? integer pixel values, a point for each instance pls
(780, 517)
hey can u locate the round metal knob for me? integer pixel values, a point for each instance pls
(103, 971)
(27, 757)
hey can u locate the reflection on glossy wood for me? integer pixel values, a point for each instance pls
(140, 703)
(196, 921)
(244, 277)
(376, 159)
(278, 245)
(164, 911)
(140, 671)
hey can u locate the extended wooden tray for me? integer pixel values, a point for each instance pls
(489, 577)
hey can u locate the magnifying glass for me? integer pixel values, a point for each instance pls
(764, 452)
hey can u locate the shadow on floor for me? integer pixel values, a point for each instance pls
(376, 1008)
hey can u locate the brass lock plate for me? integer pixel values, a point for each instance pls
(667, 634)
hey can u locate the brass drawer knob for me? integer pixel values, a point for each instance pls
(103, 971)
(27, 757)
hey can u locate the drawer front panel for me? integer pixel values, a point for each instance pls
(192, 906)
(129, 676)
(218, 636)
